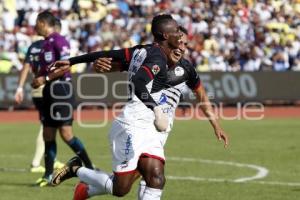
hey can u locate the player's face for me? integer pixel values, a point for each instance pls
(176, 54)
(57, 28)
(183, 43)
(173, 34)
(39, 27)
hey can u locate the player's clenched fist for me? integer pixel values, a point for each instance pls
(161, 121)
(57, 68)
(102, 65)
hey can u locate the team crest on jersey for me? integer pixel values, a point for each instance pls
(179, 71)
(155, 69)
(48, 56)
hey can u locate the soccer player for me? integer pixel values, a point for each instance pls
(32, 63)
(180, 76)
(138, 135)
(56, 95)
(137, 142)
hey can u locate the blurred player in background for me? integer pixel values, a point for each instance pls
(31, 63)
(58, 96)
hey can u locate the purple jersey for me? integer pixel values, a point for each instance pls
(55, 47)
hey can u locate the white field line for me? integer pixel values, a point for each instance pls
(261, 171)
(197, 179)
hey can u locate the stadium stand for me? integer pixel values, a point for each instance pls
(229, 35)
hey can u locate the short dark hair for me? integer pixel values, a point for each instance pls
(47, 17)
(157, 25)
(184, 30)
(57, 22)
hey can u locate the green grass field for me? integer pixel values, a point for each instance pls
(194, 169)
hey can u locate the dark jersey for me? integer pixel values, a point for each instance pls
(184, 71)
(32, 56)
(146, 64)
(167, 95)
(179, 77)
(55, 47)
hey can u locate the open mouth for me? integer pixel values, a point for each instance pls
(177, 52)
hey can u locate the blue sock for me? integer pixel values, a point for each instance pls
(50, 154)
(79, 149)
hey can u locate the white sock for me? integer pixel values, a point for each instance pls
(39, 149)
(152, 194)
(93, 191)
(98, 179)
(141, 189)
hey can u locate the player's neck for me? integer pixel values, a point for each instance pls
(49, 31)
(165, 48)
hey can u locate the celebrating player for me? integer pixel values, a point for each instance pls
(181, 75)
(141, 129)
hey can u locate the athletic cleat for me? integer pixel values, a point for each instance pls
(58, 165)
(66, 172)
(44, 181)
(81, 191)
(38, 169)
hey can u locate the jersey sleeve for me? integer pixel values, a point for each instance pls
(154, 65)
(122, 56)
(62, 49)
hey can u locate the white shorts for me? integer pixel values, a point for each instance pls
(128, 143)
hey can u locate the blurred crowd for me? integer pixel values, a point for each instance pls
(228, 35)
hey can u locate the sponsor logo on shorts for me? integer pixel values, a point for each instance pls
(128, 147)
(124, 164)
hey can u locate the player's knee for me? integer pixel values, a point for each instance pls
(121, 191)
(156, 180)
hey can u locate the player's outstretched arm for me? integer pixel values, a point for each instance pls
(102, 65)
(118, 55)
(208, 111)
(112, 61)
(56, 70)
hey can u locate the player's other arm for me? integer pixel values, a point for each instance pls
(19, 95)
(207, 109)
(195, 84)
